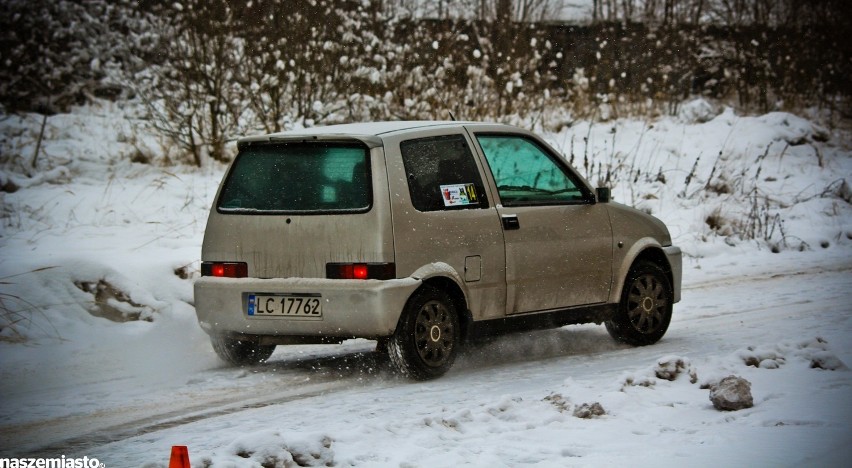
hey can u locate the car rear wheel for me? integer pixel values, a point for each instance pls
(645, 311)
(241, 352)
(427, 338)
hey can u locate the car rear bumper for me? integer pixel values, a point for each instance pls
(350, 308)
(675, 258)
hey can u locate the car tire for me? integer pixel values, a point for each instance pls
(427, 337)
(382, 345)
(645, 310)
(241, 352)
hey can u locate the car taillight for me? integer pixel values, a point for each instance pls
(224, 269)
(363, 271)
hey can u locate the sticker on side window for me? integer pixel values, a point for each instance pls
(459, 194)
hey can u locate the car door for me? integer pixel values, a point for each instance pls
(443, 213)
(558, 240)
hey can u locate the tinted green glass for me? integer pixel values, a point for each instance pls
(525, 173)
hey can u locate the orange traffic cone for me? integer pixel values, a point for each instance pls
(180, 457)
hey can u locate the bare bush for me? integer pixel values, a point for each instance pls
(192, 96)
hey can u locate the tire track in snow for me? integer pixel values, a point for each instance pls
(77, 434)
(178, 417)
(766, 276)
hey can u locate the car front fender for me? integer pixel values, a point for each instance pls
(644, 247)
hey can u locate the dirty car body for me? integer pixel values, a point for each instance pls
(421, 235)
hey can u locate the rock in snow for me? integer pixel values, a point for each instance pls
(731, 394)
(589, 411)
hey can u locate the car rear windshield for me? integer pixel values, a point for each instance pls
(298, 178)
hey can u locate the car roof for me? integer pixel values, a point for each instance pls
(366, 131)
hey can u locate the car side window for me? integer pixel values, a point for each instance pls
(442, 174)
(526, 174)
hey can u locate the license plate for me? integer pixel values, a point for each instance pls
(308, 306)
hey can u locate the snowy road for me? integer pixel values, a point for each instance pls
(329, 389)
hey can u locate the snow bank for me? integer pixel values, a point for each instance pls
(775, 182)
(93, 246)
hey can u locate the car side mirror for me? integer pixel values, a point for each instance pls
(603, 194)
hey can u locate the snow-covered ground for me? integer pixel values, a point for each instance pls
(89, 233)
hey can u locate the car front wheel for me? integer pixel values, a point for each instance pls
(241, 352)
(427, 338)
(645, 310)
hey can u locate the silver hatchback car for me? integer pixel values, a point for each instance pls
(421, 235)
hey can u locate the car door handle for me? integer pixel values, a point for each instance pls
(510, 222)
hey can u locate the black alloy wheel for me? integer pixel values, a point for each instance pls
(645, 310)
(427, 337)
